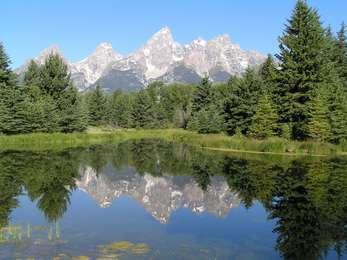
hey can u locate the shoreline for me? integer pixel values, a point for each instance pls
(212, 142)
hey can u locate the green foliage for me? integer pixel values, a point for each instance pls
(54, 77)
(241, 102)
(318, 125)
(32, 76)
(306, 66)
(264, 121)
(97, 107)
(40, 111)
(120, 110)
(208, 120)
(72, 115)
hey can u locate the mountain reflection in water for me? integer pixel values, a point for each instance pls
(303, 201)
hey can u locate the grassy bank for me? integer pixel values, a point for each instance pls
(218, 142)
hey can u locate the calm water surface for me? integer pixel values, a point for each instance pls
(153, 200)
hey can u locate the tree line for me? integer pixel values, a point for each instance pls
(299, 94)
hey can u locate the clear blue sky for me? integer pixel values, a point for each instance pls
(77, 26)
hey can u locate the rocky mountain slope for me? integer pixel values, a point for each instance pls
(161, 58)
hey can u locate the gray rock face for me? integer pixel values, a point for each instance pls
(160, 196)
(161, 58)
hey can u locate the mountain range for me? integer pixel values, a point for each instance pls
(160, 58)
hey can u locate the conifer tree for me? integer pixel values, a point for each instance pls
(209, 119)
(268, 72)
(318, 126)
(121, 106)
(32, 75)
(143, 112)
(40, 111)
(54, 77)
(264, 121)
(72, 116)
(341, 54)
(337, 114)
(203, 95)
(305, 67)
(97, 107)
(241, 102)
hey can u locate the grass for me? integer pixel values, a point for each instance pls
(216, 142)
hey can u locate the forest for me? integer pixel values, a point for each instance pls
(298, 94)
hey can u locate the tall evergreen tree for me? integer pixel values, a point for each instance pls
(318, 126)
(32, 75)
(97, 107)
(305, 67)
(203, 95)
(268, 73)
(264, 121)
(40, 111)
(341, 55)
(55, 77)
(241, 102)
(73, 116)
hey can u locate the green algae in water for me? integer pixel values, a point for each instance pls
(116, 249)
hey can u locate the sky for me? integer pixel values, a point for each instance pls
(78, 26)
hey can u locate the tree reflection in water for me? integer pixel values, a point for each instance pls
(306, 197)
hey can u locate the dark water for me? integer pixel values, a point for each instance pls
(152, 200)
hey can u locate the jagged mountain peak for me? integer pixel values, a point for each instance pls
(104, 45)
(160, 58)
(222, 39)
(51, 50)
(89, 70)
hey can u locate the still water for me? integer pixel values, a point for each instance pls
(154, 200)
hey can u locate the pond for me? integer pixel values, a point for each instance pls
(149, 199)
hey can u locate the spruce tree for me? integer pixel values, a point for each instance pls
(341, 54)
(121, 106)
(32, 75)
(209, 119)
(305, 66)
(40, 111)
(241, 102)
(268, 73)
(54, 77)
(72, 116)
(318, 126)
(203, 95)
(337, 114)
(143, 112)
(97, 107)
(264, 121)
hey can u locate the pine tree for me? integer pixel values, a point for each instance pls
(72, 116)
(337, 114)
(121, 106)
(32, 75)
(264, 121)
(143, 112)
(241, 102)
(40, 111)
(6, 76)
(97, 107)
(305, 67)
(318, 126)
(54, 77)
(341, 54)
(209, 119)
(268, 73)
(203, 95)
(11, 96)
